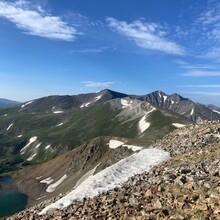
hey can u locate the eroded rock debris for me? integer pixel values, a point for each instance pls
(185, 187)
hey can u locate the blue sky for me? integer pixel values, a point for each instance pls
(50, 47)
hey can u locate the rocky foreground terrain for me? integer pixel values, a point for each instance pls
(185, 187)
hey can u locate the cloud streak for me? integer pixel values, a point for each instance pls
(86, 51)
(210, 21)
(198, 67)
(202, 86)
(204, 93)
(208, 24)
(213, 54)
(146, 35)
(93, 84)
(201, 73)
(36, 21)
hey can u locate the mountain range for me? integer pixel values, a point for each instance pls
(58, 136)
(175, 103)
(7, 103)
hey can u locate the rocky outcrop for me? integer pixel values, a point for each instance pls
(185, 187)
(190, 138)
(183, 106)
(74, 164)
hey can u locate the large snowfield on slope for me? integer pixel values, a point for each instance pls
(111, 177)
(143, 124)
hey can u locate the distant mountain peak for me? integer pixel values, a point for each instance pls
(7, 102)
(177, 96)
(159, 92)
(113, 94)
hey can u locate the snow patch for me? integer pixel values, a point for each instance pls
(52, 187)
(143, 124)
(31, 140)
(88, 103)
(97, 98)
(178, 125)
(57, 112)
(31, 157)
(111, 177)
(38, 145)
(59, 125)
(40, 198)
(85, 105)
(86, 176)
(38, 177)
(28, 103)
(47, 180)
(9, 127)
(192, 112)
(48, 146)
(113, 144)
(172, 102)
(132, 147)
(216, 111)
(159, 94)
(5, 115)
(125, 103)
(19, 136)
(164, 98)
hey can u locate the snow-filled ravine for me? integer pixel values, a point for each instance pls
(27, 103)
(178, 125)
(113, 144)
(31, 140)
(143, 124)
(111, 177)
(88, 103)
(52, 187)
(216, 111)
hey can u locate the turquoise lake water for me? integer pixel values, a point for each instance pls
(11, 201)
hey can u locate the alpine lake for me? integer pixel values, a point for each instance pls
(11, 200)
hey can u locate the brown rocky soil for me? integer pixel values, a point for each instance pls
(74, 164)
(185, 187)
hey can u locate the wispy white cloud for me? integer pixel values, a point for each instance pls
(186, 65)
(181, 62)
(202, 86)
(208, 23)
(35, 21)
(212, 54)
(85, 51)
(146, 35)
(201, 73)
(204, 93)
(210, 19)
(205, 97)
(95, 84)
(180, 33)
(199, 66)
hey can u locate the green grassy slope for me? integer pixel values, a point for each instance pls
(79, 126)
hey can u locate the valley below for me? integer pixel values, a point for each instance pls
(109, 155)
(11, 200)
(186, 186)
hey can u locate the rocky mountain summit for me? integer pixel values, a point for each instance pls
(183, 106)
(187, 186)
